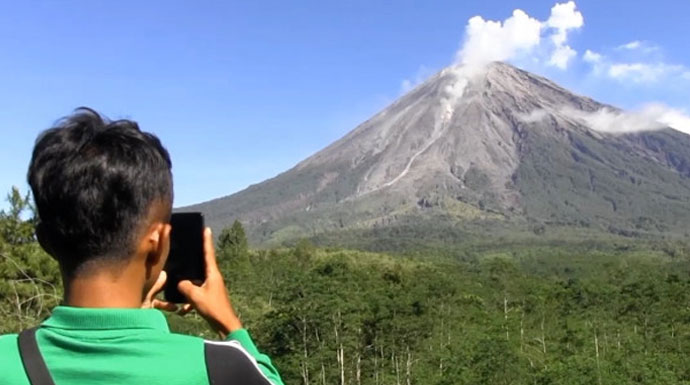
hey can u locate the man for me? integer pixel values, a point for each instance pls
(103, 193)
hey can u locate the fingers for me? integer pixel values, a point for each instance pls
(186, 308)
(188, 289)
(157, 287)
(209, 253)
(164, 305)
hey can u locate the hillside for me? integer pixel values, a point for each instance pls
(464, 148)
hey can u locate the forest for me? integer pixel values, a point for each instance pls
(600, 313)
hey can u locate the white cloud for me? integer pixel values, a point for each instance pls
(642, 72)
(618, 122)
(636, 62)
(591, 57)
(564, 17)
(638, 71)
(674, 118)
(533, 116)
(561, 56)
(596, 60)
(632, 45)
(653, 116)
(635, 72)
(638, 46)
(525, 39)
(487, 40)
(522, 38)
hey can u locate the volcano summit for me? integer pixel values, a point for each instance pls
(471, 149)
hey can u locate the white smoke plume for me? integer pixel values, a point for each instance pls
(422, 74)
(521, 35)
(523, 38)
(487, 40)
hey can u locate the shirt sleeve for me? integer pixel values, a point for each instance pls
(265, 365)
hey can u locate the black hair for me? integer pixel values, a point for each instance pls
(94, 182)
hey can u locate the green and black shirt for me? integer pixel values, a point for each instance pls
(129, 346)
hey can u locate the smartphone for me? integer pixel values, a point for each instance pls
(186, 257)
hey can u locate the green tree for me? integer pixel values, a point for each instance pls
(233, 241)
(304, 250)
(13, 229)
(29, 278)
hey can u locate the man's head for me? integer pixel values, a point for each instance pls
(100, 188)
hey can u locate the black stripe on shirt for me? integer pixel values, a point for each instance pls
(227, 364)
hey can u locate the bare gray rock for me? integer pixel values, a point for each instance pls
(496, 144)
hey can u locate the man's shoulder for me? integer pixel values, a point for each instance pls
(183, 338)
(228, 359)
(228, 348)
(8, 342)
(224, 360)
(11, 365)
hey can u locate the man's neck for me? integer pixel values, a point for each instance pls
(103, 290)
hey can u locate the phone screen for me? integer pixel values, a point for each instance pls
(186, 258)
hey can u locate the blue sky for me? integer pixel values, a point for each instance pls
(241, 91)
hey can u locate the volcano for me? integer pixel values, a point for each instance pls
(474, 148)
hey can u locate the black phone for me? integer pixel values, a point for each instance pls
(186, 257)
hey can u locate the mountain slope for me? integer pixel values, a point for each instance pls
(465, 146)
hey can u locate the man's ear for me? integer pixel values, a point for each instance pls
(158, 240)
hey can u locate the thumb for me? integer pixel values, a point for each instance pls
(188, 289)
(157, 286)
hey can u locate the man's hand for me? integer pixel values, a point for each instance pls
(150, 300)
(211, 299)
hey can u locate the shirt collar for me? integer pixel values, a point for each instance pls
(67, 317)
